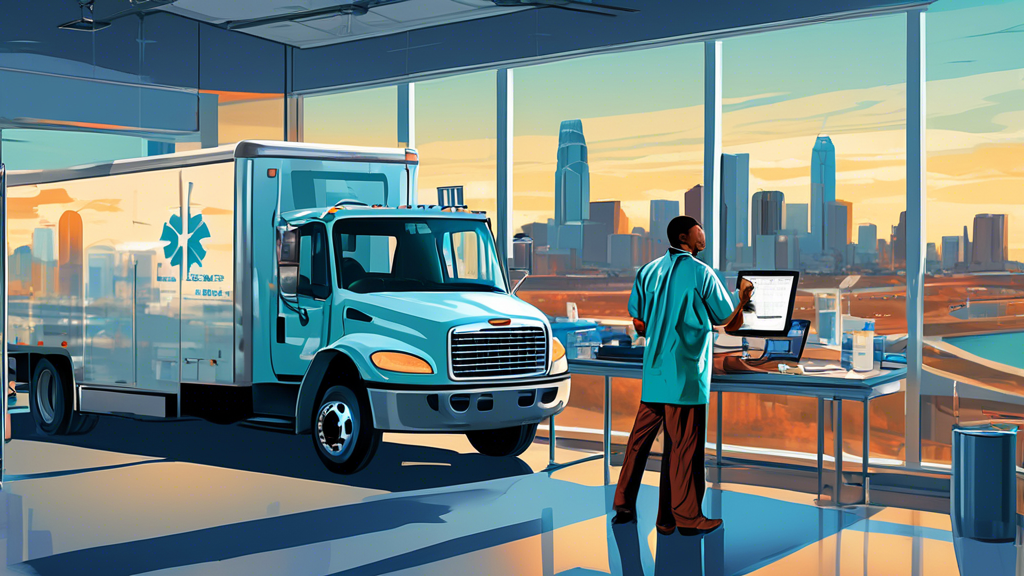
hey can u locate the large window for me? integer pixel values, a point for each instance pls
(813, 180)
(456, 125)
(361, 118)
(606, 149)
(974, 292)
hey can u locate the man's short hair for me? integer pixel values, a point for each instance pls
(680, 225)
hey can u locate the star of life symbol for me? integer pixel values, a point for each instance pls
(185, 241)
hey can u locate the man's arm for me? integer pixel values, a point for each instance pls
(735, 320)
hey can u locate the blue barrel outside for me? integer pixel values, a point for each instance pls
(983, 487)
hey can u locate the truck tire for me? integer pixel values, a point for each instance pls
(82, 423)
(48, 400)
(503, 441)
(342, 430)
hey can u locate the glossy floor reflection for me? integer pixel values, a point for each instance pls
(194, 498)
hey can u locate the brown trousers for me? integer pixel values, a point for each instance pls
(682, 464)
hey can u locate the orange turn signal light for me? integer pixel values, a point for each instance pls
(401, 362)
(411, 157)
(271, 172)
(40, 343)
(557, 350)
(64, 344)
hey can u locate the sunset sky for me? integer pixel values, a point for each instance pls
(643, 119)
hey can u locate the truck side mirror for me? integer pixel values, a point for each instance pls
(288, 262)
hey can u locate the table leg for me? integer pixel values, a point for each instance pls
(839, 451)
(865, 449)
(551, 444)
(821, 442)
(718, 436)
(607, 430)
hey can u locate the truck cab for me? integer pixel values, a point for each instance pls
(407, 322)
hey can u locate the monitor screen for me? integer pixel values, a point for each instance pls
(771, 307)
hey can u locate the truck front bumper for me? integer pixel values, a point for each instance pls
(462, 409)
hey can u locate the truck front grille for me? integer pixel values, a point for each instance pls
(499, 352)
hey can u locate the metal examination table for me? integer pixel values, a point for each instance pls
(861, 387)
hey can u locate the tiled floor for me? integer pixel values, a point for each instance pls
(194, 498)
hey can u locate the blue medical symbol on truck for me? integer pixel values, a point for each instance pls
(179, 240)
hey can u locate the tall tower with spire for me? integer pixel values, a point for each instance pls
(823, 187)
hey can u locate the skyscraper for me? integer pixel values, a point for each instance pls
(735, 201)
(44, 262)
(991, 242)
(823, 185)
(624, 251)
(796, 218)
(69, 257)
(967, 247)
(931, 258)
(899, 242)
(952, 251)
(768, 212)
(572, 175)
(662, 212)
(838, 226)
(867, 239)
(694, 203)
(606, 218)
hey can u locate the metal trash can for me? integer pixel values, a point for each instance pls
(983, 487)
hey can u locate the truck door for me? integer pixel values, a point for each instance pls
(304, 298)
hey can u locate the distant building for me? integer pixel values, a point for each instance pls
(572, 185)
(735, 203)
(867, 239)
(69, 255)
(662, 212)
(796, 218)
(884, 253)
(968, 252)
(625, 251)
(991, 242)
(768, 212)
(522, 252)
(899, 242)
(776, 252)
(952, 252)
(932, 263)
(693, 203)
(44, 262)
(838, 227)
(538, 231)
(823, 185)
(606, 218)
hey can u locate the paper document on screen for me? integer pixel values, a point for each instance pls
(769, 304)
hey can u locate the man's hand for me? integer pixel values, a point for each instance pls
(746, 290)
(639, 326)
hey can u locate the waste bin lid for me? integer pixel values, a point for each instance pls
(995, 429)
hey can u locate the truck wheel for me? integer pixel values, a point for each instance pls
(504, 441)
(82, 423)
(50, 406)
(343, 431)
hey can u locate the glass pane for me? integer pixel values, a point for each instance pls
(974, 291)
(456, 137)
(814, 180)
(361, 118)
(605, 149)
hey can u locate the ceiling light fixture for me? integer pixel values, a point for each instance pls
(85, 23)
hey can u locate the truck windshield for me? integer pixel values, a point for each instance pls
(416, 255)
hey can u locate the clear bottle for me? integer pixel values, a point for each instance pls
(864, 348)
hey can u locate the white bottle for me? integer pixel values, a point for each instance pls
(864, 348)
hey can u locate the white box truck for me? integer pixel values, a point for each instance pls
(292, 284)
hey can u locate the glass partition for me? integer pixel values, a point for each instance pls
(360, 118)
(606, 149)
(813, 180)
(974, 291)
(456, 125)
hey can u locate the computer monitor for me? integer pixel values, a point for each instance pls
(770, 310)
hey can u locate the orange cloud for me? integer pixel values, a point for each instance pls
(27, 208)
(103, 205)
(212, 211)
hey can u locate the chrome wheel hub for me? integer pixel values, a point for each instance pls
(335, 427)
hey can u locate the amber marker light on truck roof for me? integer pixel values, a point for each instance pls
(557, 350)
(411, 157)
(401, 362)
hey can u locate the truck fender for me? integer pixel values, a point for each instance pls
(354, 351)
(26, 358)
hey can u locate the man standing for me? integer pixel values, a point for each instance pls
(676, 300)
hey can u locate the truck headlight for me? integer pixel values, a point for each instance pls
(401, 362)
(559, 363)
(557, 350)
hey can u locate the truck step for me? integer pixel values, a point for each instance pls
(274, 424)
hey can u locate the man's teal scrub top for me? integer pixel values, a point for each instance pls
(679, 299)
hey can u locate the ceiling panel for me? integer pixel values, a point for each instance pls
(387, 18)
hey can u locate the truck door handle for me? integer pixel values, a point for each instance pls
(280, 329)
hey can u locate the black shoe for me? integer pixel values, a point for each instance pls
(624, 517)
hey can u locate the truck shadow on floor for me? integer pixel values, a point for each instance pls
(395, 468)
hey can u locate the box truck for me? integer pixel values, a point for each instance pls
(288, 284)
